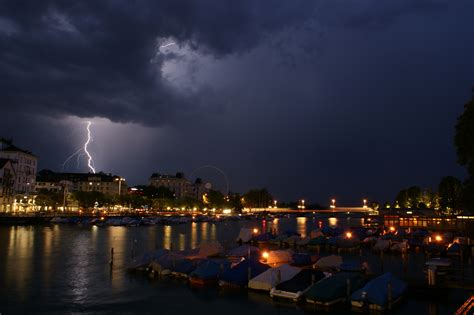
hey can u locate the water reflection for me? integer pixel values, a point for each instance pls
(20, 251)
(194, 240)
(301, 226)
(182, 241)
(204, 231)
(332, 222)
(167, 237)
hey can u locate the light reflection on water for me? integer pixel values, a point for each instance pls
(66, 268)
(301, 226)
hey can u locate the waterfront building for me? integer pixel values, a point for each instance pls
(107, 184)
(24, 164)
(7, 180)
(179, 185)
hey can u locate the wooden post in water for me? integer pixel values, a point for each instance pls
(389, 295)
(348, 289)
(278, 276)
(111, 262)
(381, 259)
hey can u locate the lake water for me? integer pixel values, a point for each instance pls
(64, 269)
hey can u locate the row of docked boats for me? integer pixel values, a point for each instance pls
(393, 240)
(139, 221)
(281, 273)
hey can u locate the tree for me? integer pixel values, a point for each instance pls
(450, 193)
(258, 198)
(87, 199)
(46, 198)
(214, 199)
(464, 142)
(410, 198)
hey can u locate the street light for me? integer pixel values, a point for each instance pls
(120, 180)
(365, 203)
(333, 203)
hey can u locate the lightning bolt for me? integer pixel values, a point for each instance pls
(90, 162)
(167, 45)
(78, 153)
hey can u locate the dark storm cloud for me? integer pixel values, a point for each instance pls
(100, 58)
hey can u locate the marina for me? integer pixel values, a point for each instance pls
(102, 256)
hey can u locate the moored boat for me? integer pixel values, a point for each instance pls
(380, 293)
(334, 289)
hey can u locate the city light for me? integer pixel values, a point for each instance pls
(255, 231)
(349, 235)
(333, 203)
(265, 255)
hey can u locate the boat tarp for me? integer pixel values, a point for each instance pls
(303, 259)
(376, 290)
(382, 245)
(263, 237)
(210, 269)
(329, 262)
(399, 246)
(245, 235)
(270, 278)
(183, 266)
(334, 287)
(301, 281)
(316, 233)
(210, 249)
(279, 257)
(239, 274)
(244, 251)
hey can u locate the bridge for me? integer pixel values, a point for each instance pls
(335, 210)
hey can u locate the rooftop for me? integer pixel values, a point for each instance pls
(50, 176)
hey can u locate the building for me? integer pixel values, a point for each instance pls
(7, 180)
(24, 164)
(107, 184)
(179, 185)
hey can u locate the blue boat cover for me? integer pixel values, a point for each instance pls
(377, 290)
(238, 275)
(329, 231)
(301, 281)
(289, 233)
(210, 269)
(335, 287)
(454, 248)
(184, 266)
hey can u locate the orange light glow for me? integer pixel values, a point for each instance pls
(392, 229)
(348, 234)
(255, 231)
(438, 238)
(265, 255)
(102, 218)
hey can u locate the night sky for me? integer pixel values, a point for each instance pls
(311, 99)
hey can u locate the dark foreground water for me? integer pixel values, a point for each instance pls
(64, 269)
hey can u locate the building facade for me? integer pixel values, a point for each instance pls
(107, 184)
(179, 185)
(7, 181)
(24, 164)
